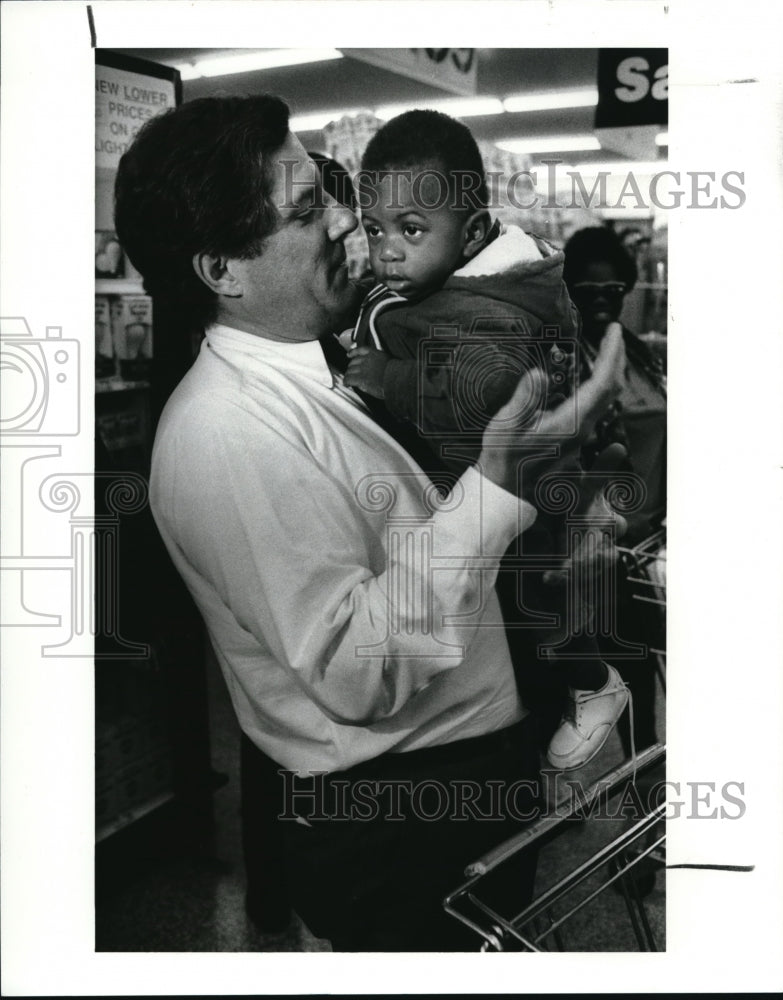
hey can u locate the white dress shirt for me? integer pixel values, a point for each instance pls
(350, 616)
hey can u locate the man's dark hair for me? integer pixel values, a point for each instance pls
(597, 244)
(190, 183)
(430, 139)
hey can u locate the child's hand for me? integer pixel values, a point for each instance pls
(366, 367)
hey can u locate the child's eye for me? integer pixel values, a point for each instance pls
(373, 232)
(306, 216)
(412, 230)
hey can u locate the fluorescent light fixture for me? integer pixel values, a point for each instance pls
(187, 71)
(550, 144)
(662, 139)
(319, 119)
(458, 107)
(622, 167)
(584, 98)
(247, 62)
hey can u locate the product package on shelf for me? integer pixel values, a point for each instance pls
(104, 348)
(109, 257)
(132, 275)
(132, 335)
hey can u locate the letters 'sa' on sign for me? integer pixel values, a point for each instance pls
(633, 87)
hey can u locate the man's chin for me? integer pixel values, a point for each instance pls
(347, 299)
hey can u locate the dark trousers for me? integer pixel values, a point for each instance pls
(377, 847)
(267, 897)
(543, 681)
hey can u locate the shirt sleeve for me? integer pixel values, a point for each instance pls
(362, 611)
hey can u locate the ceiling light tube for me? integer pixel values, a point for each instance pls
(248, 62)
(584, 98)
(622, 167)
(459, 107)
(550, 144)
(320, 119)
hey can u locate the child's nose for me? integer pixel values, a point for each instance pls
(391, 250)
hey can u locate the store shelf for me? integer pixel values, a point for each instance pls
(116, 384)
(118, 286)
(129, 816)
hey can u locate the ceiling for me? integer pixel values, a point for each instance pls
(349, 83)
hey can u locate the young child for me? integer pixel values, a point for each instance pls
(462, 307)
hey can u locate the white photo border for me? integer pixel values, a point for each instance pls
(724, 579)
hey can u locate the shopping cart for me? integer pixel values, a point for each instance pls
(628, 861)
(645, 569)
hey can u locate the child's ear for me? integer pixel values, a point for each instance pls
(474, 232)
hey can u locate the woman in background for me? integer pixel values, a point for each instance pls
(599, 273)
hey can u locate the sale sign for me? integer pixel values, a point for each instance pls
(633, 100)
(633, 87)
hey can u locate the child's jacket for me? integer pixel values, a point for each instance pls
(458, 354)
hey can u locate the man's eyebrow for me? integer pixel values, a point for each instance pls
(301, 194)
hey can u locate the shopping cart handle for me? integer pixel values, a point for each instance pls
(607, 784)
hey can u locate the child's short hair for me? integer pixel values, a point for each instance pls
(433, 140)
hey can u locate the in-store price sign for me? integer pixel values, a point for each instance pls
(450, 69)
(124, 101)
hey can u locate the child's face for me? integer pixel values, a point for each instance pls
(413, 247)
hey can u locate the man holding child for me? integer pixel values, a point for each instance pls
(350, 605)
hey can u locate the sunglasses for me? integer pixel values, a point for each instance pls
(595, 288)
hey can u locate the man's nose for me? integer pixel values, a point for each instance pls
(339, 220)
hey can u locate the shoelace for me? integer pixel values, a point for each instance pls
(570, 715)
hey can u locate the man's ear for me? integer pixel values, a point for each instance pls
(474, 233)
(217, 274)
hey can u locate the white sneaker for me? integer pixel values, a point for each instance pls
(588, 719)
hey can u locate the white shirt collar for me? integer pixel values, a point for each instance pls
(304, 358)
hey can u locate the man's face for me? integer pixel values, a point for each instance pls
(413, 247)
(298, 288)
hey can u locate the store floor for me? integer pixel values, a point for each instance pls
(197, 904)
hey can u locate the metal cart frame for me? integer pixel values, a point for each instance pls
(539, 925)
